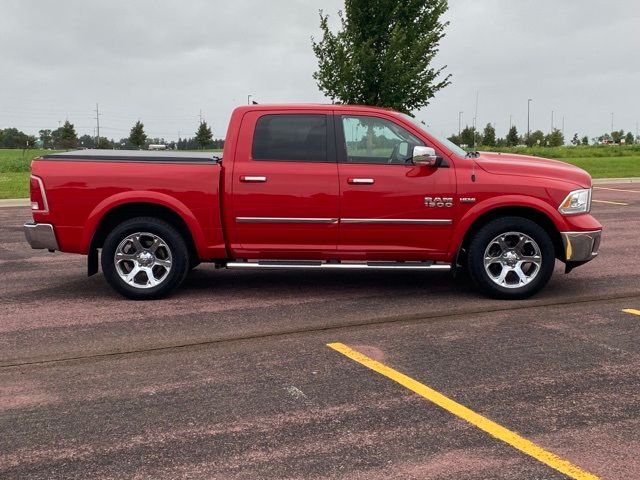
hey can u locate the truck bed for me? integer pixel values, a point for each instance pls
(83, 186)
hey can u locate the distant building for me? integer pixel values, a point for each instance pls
(157, 147)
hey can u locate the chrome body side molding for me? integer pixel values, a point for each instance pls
(399, 221)
(285, 220)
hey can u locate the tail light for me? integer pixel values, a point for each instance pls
(38, 195)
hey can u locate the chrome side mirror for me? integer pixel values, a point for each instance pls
(424, 156)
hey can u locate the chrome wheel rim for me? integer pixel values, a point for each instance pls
(512, 260)
(143, 260)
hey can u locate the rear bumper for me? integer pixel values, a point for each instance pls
(580, 247)
(40, 235)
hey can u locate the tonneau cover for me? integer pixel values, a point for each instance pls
(136, 156)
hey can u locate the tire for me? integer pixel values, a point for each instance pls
(511, 258)
(152, 246)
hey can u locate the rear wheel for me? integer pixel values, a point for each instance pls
(145, 258)
(511, 258)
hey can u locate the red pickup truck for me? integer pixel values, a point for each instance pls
(315, 186)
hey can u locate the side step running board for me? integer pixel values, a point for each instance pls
(439, 267)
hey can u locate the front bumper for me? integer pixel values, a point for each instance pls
(40, 235)
(580, 247)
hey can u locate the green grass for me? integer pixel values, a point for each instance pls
(608, 167)
(14, 185)
(580, 151)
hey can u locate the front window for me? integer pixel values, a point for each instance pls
(376, 140)
(444, 141)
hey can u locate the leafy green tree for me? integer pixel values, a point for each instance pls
(67, 136)
(467, 137)
(555, 138)
(87, 141)
(104, 143)
(203, 135)
(585, 140)
(137, 137)
(575, 140)
(382, 53)
(512, 138)
(45, 138)
(628, 139)
(489, 136)
(14, 138)
(617, 135)
(455, 139)
(535, 138)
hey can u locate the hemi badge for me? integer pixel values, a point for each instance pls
(467, 199)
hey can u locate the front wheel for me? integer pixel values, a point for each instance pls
(511, 258)
(145, 258)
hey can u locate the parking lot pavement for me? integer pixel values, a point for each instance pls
(290, 407)
(231, 377)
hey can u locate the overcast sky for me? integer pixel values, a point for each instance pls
(164, 61)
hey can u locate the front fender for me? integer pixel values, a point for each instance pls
(504, 201)
(123, 198)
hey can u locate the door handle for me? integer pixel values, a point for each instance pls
(361, 181)
(253, 179)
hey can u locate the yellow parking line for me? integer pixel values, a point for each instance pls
(610, 203)
(617, 189)
(632, 311)
(470, 416)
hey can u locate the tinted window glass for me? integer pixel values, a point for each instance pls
(376, 140)
(300, 138)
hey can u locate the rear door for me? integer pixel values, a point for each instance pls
(285, 185)
(390, 208)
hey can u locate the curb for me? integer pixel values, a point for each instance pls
(15, 202)
(596, 181)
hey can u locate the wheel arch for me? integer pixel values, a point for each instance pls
(121, 212)
(528, 212)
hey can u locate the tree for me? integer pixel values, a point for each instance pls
(67, 135)
(512, 137)
(87, 141)
(14, 138)
(46, 138)
(137, 137)
(585, 140)
(575, 140)
(489, 136)
(628, 139)
(554, 139)
(203, 135)
(467, 137)
(455, 139)
(535, 138)
(382, 54)
(104, 143)
(617, 135)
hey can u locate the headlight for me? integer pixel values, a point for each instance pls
(578, 201)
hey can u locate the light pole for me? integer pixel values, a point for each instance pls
(552, 120)
(528, 128)
(459, 123)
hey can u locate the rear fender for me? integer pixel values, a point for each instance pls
(119, 199)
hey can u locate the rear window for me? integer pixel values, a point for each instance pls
(291, 138)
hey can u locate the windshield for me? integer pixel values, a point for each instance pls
(446, 142)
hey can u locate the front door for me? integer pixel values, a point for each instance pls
(285, 186)
(390, 208)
